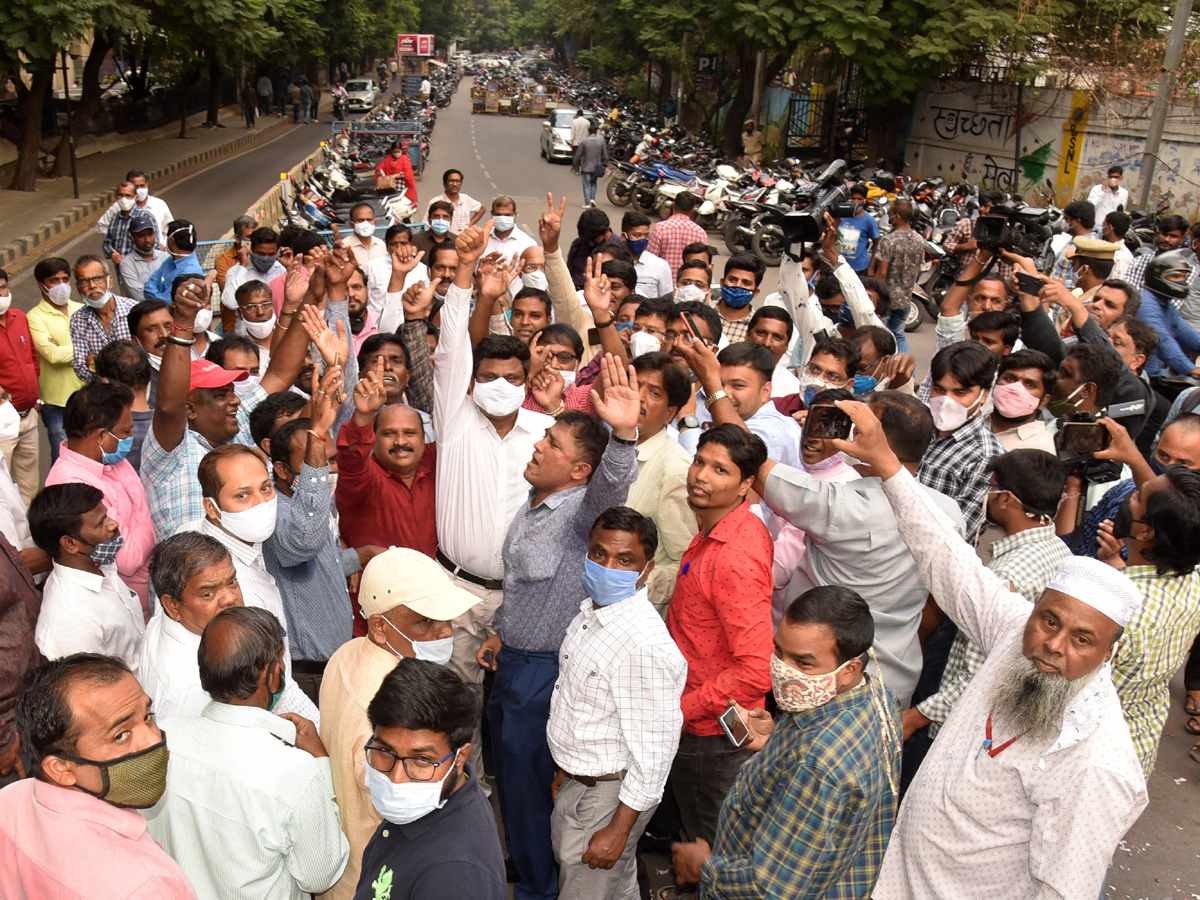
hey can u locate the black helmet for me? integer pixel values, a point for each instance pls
(1156, 275)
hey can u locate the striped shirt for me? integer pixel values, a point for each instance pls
(89, 337)
(247, 813)
(1155, 644)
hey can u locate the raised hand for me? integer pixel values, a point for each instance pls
(369, 395)
(618, 402)
(471, 242)
(295, 282)
(190, 297)
(1109, 546)
(701, 359)
(494, 277)
(546, 387)
(339, 265)
(597, 291)
(418, 300)
(870, 443)
(243, 254)
(326, 398)
(405, 258)
(550, 223)
(539, 356)
(334, 346)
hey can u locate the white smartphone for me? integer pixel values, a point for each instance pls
(734, 726)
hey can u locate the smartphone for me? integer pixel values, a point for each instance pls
(1030, 284)
(734, 726)
(827, 422)
(1083, 437)
(989, 229)
(692, 325)
(846, 210)
(488, 657)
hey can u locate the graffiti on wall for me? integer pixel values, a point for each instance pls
(950, 123)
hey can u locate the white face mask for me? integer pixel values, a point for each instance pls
(99, 303)
(406, 802)
(365, 228)
(568, 376)
(5, 302)
(125, 204)
(642, 342)
(498, 398)
(689, 293)
(203, 320)
(141, 194)
(949, 414)
(59, 294)
(437, 651)
(245, 386)
(155, 361)
(252, 525)
(261, 330)
(535, 279)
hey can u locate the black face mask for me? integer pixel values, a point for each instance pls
(1123, 521)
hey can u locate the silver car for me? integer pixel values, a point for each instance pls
(361, 93)
(556, 134)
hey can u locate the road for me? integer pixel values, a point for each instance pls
(497, 155)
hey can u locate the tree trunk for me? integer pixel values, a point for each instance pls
(183, 105)
(89, 103)
(214, 89)
(25, 176)
(744, 98)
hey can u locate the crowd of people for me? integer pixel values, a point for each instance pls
(335, 542)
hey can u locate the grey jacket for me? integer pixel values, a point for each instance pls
(591, 155)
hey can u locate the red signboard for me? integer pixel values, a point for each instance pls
(414, 44)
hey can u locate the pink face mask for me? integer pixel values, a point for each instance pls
(1013, 400)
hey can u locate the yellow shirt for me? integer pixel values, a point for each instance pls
(352, 678)
(50, 328)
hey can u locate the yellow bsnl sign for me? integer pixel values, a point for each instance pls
(1071, 154)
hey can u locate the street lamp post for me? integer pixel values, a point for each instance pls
(1162, 99)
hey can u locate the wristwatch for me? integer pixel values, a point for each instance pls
(689, 421)
(627, 442)
(713, 398)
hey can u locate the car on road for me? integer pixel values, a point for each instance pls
(556, 134)
(361, 93)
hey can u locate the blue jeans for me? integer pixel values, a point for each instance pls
(52, 418)
(589, 187)
(895, 324)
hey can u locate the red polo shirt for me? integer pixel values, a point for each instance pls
(18, 360)
(720, 618)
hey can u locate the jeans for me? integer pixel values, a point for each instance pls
(589, 188)
(52, 418)
(1191, 671)
(264, 104)
(895, 324)
(701, 776)
(296, 113)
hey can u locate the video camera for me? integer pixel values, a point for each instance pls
(1019, 229)
(829, 193)
(1081, 434)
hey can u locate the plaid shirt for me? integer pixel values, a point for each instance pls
(88, 335)
(960, 234)
(671, 235)
(954, 465)
(1153, 648)
(1026, 560)
(734, 330)
(1136, 274)
(810, 815)
(116, 237)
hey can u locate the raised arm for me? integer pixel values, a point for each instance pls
(418, 300)
(175, 374)
(597, 293)
(452, 363)
(559, 286)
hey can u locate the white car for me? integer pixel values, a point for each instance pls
(361, 93)
(556, 134)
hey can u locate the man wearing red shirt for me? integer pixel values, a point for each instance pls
(19, 371)
(720, 618)
(670, 236)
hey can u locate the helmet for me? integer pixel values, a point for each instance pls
(1162, 265)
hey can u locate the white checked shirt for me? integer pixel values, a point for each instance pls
(247, 813)
(481, 482)
(616, 704)
(83, 612)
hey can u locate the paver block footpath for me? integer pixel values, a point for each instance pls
(60, 228)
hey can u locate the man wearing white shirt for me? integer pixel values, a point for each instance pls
(1113, 229)
(505, 237)
(467, 210)
(363, 243)
(1109, 196)
(654, 276)
(154, 205)
(390, 275)
(249, 806)
(771, 327)
(485, 441)
(86, 608)
(615, 717)
(194, 579)
(258, 262)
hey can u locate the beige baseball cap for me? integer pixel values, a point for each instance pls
(403, 577)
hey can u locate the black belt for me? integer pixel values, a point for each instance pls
(593, 780)
(491, 584)
(309, 666)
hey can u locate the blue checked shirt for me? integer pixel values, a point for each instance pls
(809, 816)
(954, 465)
(88, 335)
(172, 487)
(117, 236)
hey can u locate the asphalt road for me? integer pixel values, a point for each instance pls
(1161, 856)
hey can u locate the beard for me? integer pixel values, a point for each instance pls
(1030, 701)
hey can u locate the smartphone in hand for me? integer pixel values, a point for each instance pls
(734, 726)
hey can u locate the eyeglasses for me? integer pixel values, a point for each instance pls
(415, 767)
(671, 337)
(533, 267)
(830, 377)
(99, 279)
(565, 357)
(654, 331)
(257, 307)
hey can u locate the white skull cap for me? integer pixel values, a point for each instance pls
(1098, 585)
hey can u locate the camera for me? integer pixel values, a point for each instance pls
(1019, 229)
(828, 193)
(1081, 434)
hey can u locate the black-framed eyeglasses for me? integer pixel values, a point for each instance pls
(565, 357)
(415, 767)
(670, 337)
(99, 279)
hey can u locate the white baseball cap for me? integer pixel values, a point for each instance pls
(403, 577)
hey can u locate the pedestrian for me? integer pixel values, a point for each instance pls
(264, 94)
(306, 100)
(281, 95)
(898, 262)
(591, 158)
(752, 145)
(316, 100)
(249, 104)
(294, 100)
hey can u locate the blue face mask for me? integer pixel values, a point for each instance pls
(124, 445)
(735, 297)
(275, 695)
(439, 226)
(638, 246)
(864, 384)
(608, 586)
(809, 393)
(503, 224)
(1158, 467)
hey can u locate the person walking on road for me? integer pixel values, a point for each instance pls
(264, 94)
(281, 95)
(293, 96)
(591, 157)
(306, 100)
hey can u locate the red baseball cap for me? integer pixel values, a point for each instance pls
(206, 374)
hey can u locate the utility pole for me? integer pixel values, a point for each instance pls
(760, 62)
(1162, 100)
(70, 132)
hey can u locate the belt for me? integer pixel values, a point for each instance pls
(593, 780)
(309, 666)
(491, 584)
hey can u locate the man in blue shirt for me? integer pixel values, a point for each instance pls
(181, 244)
(856, 236)
(1166, 280)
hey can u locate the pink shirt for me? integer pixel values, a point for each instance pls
(370, 327)
(60, 844)
(125, 498)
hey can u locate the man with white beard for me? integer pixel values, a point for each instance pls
(1033, 779)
